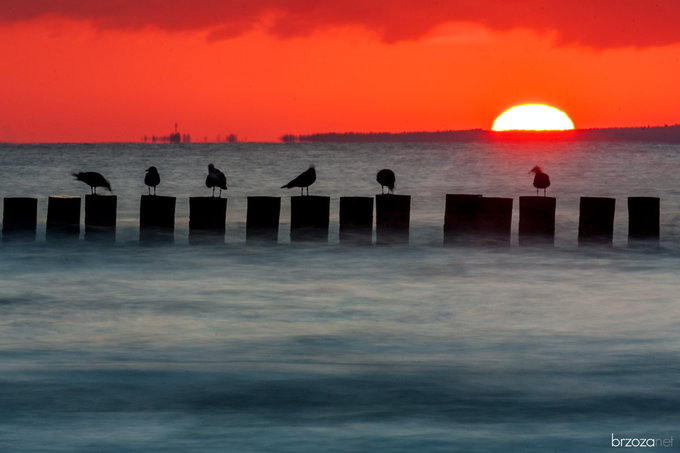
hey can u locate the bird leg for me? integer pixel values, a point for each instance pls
(154, 191)
(149, 187)
(213, 191)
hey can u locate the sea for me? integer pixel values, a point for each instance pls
(327, 347)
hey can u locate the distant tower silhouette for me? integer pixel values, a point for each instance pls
(305, 179)
(541, 180)
(385, 178)
(176, 137)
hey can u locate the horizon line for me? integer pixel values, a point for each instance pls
(313, 134)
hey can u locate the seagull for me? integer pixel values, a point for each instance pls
(152, 179)
(93, 179)
(541, 180)
(385, 177)
(216, 179)
(305, 179)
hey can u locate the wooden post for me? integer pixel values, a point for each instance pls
(461, 217)
(262, 219)
(19, 219)
(207, 219)
(495, 220)
(63, 218)
(356, 220)
(643, 218)
(537, 220)
(309, 218)
(393, 214)
(596, 221)
(100, 217)
(156, 218)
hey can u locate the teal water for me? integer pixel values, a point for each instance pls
(419, 347)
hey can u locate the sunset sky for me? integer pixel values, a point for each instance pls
(85, 70)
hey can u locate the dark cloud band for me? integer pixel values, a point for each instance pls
(599, 24)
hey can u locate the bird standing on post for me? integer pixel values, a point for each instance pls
(385, 177)
(541, 180)
(305, 179)
(216, 179)
(93, 179)
(152, 179)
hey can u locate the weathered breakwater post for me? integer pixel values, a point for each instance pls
(207, 219)
(393, 216)
(536, 220)
(63, 218)
(643, 218)
(156, 218)
(19, 218)
(100, 217)
(262, 219)
(309, 218)
(356, 220)
(596, 221)
(495, 220)
(460, 217)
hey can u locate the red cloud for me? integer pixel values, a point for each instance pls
(599, 24)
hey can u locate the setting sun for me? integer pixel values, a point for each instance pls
(533, 117)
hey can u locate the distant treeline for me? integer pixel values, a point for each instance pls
(662, 134)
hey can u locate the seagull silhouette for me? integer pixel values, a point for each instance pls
(152, 179)
(385, 177)
(305, 179)
(216, 179)
(93, 179)
(541, 180)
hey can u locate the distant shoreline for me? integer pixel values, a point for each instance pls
(647, 134)
(657, 134)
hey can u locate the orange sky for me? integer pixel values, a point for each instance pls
(77, 70)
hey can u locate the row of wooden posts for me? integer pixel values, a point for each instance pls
(468, 218)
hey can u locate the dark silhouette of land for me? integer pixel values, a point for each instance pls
(660, 134)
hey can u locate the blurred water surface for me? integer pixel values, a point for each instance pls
(289, 347)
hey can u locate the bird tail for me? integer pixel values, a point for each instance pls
(285, 186)
(76, 175)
